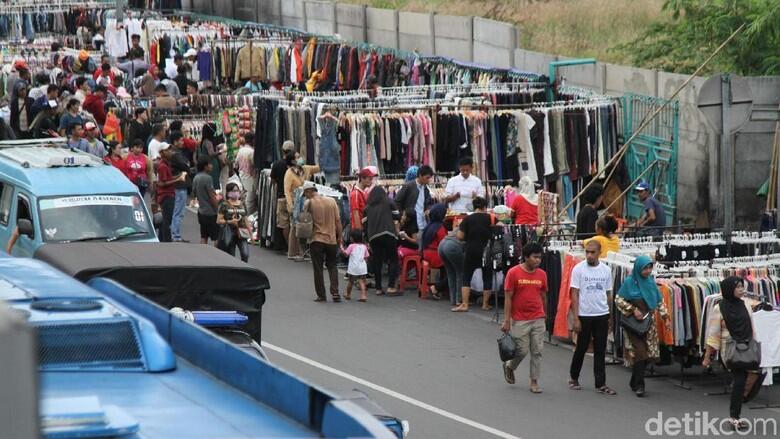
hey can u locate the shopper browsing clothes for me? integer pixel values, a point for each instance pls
(325, 240)
(232, 216)
(732, 319)
(525, 299)
(639, 297)
(591, 294)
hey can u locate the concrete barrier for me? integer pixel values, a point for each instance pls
(269, 11)
(494, 42)
(224, 8)
(245, 10)
(534, 62)
(320, 16)
(453, 36)
(293, 14)
(621, 79)
(590, 76)
(415, 32)
(382, 27)
(351, 22)
(204, 7)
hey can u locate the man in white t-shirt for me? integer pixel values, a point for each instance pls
(591, 293)
(158, 134)
(463, 188)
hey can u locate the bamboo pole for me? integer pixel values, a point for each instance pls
(623, 149)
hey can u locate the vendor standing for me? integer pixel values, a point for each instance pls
(463, 188)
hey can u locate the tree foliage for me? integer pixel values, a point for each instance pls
(696, 28)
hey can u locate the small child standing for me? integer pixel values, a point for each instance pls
(357, 268)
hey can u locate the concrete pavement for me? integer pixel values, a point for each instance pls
(441, 372)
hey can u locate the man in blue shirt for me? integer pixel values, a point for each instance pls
(71, 117)
(654, 218)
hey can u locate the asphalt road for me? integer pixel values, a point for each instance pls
(441, 372)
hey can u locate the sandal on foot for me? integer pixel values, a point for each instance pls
(362, 300)
(380, 293)
(535, 389)
(574, 385)
(347, 297)
(606, 391)
(336, 299)
(459, 309)
(320, 299)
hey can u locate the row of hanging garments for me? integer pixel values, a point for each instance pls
(28, 25)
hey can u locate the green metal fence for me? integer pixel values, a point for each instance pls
(659, 141)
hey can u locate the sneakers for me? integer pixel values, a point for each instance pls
(509, 373)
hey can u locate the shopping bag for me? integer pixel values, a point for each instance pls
(506, 347)
(225, 238)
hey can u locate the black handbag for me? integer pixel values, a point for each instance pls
(636, 326)
(506, 347)
(742, 354)
(226, 238)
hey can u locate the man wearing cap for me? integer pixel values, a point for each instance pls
(296, 175)
(654, 218)
(42, 103)
(44, 124)
(358, 195)
(166, 192)
(95, 146)
(325, 240)
(278, 169)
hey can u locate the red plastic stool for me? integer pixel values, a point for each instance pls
(422, 286)
(407, 262)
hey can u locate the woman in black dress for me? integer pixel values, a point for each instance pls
(475, 230)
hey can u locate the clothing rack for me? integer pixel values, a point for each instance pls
(44, 6)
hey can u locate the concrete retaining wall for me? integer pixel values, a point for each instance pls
(453, 36)
(320, 17)
(245, 9)
(203, 6)
(494, 42)
(382, 27)
(269, 11)
(224, 8)
(293, 14)
(415, 32)
(351, 22)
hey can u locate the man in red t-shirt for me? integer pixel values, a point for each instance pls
(525, 299)
(166, 192)
(357, 198)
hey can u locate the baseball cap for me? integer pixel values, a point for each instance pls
(369, 171)
(309, 185)
(164, 146)
(53, 103)
(20, 64)
(288, 145)
(83, 55)
(191, 52)
(89, 126)
(642, 186)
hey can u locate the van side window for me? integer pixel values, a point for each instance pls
(23, 209)
(6, 197)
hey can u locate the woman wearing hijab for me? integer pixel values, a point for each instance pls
(639, 296)
(21, 116)
(380, 219)
(433, 234)
(731, 319)
(150, 80)
(411, 174)
(525, 205)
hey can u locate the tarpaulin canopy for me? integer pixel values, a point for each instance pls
(191, 276)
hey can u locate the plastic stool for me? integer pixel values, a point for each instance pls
(422, 286)
(407, 262)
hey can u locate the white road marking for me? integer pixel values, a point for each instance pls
(391, 393)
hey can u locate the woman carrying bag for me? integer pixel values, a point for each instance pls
(731, 322)
(637, 300)
(235, 226)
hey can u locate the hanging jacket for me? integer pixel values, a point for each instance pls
(250, 62)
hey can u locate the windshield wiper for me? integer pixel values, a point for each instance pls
(125, 235)
(90, 238)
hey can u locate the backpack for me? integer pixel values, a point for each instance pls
(304, 227)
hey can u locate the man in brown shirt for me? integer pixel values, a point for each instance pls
(325, 240)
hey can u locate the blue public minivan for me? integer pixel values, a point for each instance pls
(55, 194)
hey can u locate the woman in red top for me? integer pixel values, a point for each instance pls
(433, 234)
(138, 167)
(115, 159)
(525, 205)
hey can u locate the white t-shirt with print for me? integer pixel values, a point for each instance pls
(593, 283)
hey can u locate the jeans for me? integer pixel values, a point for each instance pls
(180, 204)
(737, 391)
(529, 338)
(325, 253)
(451, 253)
(384, 250)
(595, 328)
(243, 248)
(166, 206)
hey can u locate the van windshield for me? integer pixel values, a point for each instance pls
(94, 217)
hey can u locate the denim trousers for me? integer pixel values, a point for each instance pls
(180, 204)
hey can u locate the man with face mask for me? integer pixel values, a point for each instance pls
(297, 173)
